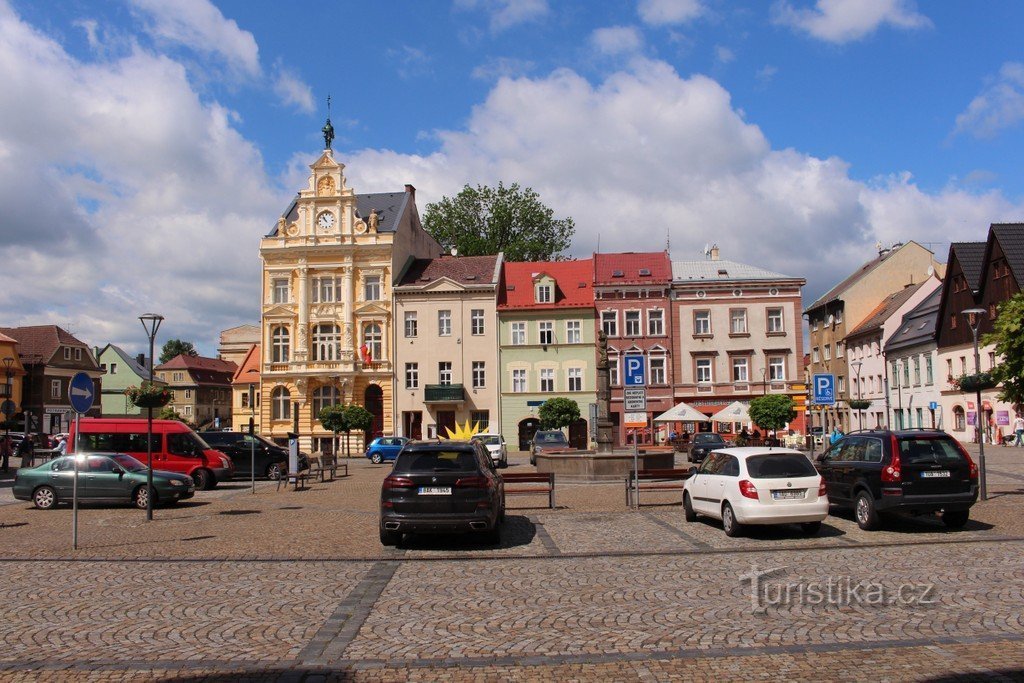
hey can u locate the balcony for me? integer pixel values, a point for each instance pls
(444, 393)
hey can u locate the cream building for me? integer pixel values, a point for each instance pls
(235, 342)
(446, 345)
(326, 325)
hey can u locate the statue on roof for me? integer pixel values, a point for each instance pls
(328, 129)
(373, 221)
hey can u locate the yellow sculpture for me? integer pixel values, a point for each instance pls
(463, 432)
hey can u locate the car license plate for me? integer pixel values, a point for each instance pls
(788, 495)
(936, 474)
(435, 490)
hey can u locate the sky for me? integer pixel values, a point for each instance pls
(146, 146)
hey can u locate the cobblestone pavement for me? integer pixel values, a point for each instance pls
(286, 585)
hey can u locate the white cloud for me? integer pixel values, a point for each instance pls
(292, 90)
(200, 26)
(998, 107)
(843, 21)
(667, 12)
(502, 67)
(506, 14)
(766, 73)
(617, 40)
(724, 54)
(647, 149)
(411, 62)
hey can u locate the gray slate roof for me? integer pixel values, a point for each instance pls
(389, 205)
(721, 271)
(971, 256)
(1011, 240)
(918, 324)
(130, 361)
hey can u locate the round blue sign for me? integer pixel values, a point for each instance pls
(81, 392)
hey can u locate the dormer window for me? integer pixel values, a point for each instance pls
(545, 295)
(645, 272)
(618, 273)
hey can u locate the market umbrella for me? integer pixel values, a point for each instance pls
(734, 412)
(682, 412)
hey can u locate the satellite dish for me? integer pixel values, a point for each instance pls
(931, 271)
(455, 251)
(831, 319)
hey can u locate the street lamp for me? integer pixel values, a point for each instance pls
(8, 362)
(974, 320)
(856, 368)
(764, 381)
(150, 323)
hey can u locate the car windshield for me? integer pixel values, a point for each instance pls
(551, 437)
(708, 438)
(490, 439)
(436, 461)
(127, 462)
(929, 452)
(780, 466)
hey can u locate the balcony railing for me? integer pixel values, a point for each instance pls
(444, 393)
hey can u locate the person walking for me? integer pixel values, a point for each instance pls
(1018, 428)
(61, 448)
(26, 449)
(5, 453)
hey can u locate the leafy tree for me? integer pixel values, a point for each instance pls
(772, 412)
(176, 347)
(486, 220)
(1008, 336)
(335, 418)
(346, 419)
(558, 413)
(169, 413)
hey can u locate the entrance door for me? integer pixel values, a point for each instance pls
(373, 401)
(527, 428)
(412, 423)
(445, 421)
(578, 434)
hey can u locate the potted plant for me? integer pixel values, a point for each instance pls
(858, 403)
(975, 382)
(148, 395)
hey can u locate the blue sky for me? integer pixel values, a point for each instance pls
(145, 140)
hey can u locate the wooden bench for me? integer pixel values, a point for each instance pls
(299, 478)
(532, 479)
(331, 464)
(654, 480)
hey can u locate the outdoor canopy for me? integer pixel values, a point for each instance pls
(682, 412)
(734, 412)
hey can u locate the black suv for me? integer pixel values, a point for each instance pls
(447, 486)
(704, 443)
(271, 459)
(913, 471)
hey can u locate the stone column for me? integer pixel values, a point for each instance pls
(604, 396)
(302, 303)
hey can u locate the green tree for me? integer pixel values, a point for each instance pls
(558, 413)
(486, 220)
(772, 412)
(169, 413)
(176, 347)
(1008, 336)
(356, 418)
(335, 419)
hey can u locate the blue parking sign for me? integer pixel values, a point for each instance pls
(824, 390)
(635, 371)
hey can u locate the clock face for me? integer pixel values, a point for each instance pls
(325, 220)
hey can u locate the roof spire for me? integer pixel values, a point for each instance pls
(328, 129)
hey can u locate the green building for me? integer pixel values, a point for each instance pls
(121, 371)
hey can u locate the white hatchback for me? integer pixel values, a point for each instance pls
(756, 485)
(495, 445)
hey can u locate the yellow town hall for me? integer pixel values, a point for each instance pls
(326, 313)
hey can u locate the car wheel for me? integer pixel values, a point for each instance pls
(376, 458)
(688, 514)
(44, 498)
(729, 524)
(956, 519)
(204, 479)
(864, 511)
(390, 538)
(811, 528)
(275, 471)
(141, 497)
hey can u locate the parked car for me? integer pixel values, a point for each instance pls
(385, 448)
(102, 477)
(176, 448)
(910, 471)
(448, 486)
(495, 445)
(553, 440)
(704, 443)
(271, 459)
(756, 485)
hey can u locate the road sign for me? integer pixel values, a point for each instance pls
(634, 374)
(8, 408)
(81, 392)
(635, 420)
(634, 399)
(933, 405)
(825, 390)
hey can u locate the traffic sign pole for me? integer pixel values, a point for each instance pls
(74, 493)
(81, 392)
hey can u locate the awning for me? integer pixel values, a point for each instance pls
(734, 412)
(682, 412)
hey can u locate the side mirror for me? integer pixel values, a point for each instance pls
(117, 471)
(693, 470)
(820, 457)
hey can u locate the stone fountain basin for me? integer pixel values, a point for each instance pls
(595, 466)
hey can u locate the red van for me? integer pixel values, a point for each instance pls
(176, 448)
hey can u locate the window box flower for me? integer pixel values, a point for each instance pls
(148, 395)
(974, 383)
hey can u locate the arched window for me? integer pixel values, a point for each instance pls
(959, 419)
(281, 404)
(372, 338)
(326, 342)
(322, 398)
(279, 343)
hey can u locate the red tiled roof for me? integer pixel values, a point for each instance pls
(473, 270)
(41, 340)
(184, 362)
(629, 264)
(250, 362)
(574, 284)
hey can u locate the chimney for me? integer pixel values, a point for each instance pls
(714, 252)
(411, 190)
(141, 359)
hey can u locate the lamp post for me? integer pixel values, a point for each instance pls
(856, 365)
(974, 320)
(764, 381)
(150, 323)
(252, 433)
(8, 362)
